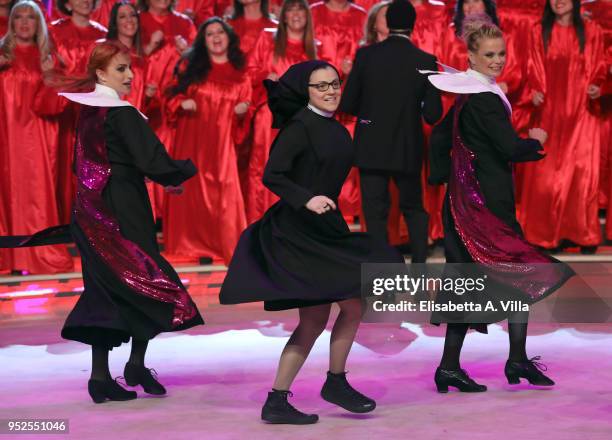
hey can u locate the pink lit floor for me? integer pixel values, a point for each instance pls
(217, 377)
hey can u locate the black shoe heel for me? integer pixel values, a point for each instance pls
(442, 388)
(530, 369)
(102, 390)
(512, 379)
(146, 377)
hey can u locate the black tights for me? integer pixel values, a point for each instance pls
(99, 359)
(455, 335)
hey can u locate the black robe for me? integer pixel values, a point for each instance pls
(293, 257)
(486, 130)
(109, 312)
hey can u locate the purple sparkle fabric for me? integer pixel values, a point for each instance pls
(129, 263)
(505, 255)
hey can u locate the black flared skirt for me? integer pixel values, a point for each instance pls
(296, 258)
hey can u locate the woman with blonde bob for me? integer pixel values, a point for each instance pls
(480, 225)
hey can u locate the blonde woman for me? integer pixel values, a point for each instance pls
(28, 142)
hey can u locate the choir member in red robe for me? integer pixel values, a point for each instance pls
(166, 34)
(275, 51)
(376, 29)
(250, 17)
(600, 11)
(210, 99)
(338, 25)
(198, 10)
(74, 36)
(102, 11)
(432, 21)
(566, 71)
(28, 143)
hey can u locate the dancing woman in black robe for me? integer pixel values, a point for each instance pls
(301, 254)
(130, 290)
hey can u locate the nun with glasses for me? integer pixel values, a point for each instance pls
(301, 254)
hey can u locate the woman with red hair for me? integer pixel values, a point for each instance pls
(28, 143)
(131, 291)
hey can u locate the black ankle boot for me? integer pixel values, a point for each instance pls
(458, 379)
(278, 410)
(100, 390)
(530, 370)
(337, 390)
(141, 375)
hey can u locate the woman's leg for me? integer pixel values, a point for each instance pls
(136, 373)
(455, 335)
(343, 334)
(519, 365)
(449, 373)
(336, 389)
(101, 386)
(139, 350)
(312, 323)
(277, 409)
(99, 364)
(517, 334)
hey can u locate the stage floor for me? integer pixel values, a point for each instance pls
(218, 375)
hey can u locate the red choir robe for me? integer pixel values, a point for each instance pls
(198, 10)
(339, 33)
(249, 31)
(102, 13)
(161, 64)
(28, 154)
(559, 197)
(208, 218)
(601, 12)
(3, 26)
(74, 45)
(261, 63)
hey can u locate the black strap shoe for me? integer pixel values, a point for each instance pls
(458, 379)
(278, 410)
(101, 390)
(530, 369)
(338, 391)
(146, 377)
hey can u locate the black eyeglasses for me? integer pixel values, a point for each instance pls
(324, 86)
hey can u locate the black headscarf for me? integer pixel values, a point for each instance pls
(289, 94)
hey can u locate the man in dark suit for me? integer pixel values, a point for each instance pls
(390, 97)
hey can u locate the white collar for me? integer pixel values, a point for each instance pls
(320, 112)
(470, 81)
(481, 77)
(102, 96)
(106, 91)
(400, 35)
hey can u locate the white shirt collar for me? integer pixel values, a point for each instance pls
(320, 112)
(481, 77)
(106, 91)
(102, 96)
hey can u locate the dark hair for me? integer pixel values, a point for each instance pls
(548, 20)
(239, 9)
(113, 29)
(196, 60)
(459, 16)
(61, 5)
(280, 39)
(143, 5)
